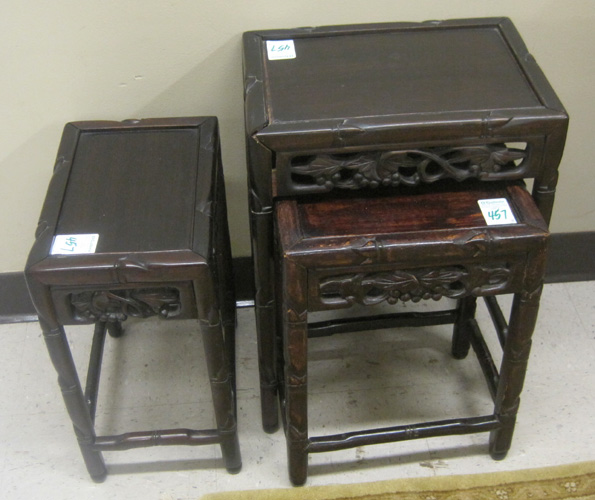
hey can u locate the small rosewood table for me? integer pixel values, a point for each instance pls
(425, 244)
(373, 107)
(135, 224)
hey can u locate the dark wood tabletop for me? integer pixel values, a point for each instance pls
(103, 170)
(350, 81)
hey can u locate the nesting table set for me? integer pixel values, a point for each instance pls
(386, 163)
(369, 148)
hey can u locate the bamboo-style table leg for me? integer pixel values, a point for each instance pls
(265, 320)
(74, 399)
(523, 318)
(221, 377)
(460, 340)
(295, 347)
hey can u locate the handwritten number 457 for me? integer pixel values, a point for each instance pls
(497, 214)
(70, 244)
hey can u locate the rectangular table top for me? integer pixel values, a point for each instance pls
(134, 188)
(353, 79)
(135, 184)
(414, 216)
(143, 189)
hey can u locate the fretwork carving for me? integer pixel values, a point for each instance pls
(391, 286)
(109, 305)
(409, 167)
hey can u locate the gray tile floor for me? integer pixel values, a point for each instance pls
(154, 377)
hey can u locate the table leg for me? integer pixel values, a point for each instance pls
(265, 319)
(223, 257)
(523, 318)
(217, 348)
(59, 351)
(460, 340)
(295, 353)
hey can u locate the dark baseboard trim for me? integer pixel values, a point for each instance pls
(15, 305)
(571, 258)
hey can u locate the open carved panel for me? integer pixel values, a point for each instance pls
(369, 288)
(405, 167)
(118, 305)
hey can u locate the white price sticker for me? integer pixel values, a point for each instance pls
(280, 49)
(496, 212)
(70, 244)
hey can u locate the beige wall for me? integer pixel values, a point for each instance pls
(68, 60)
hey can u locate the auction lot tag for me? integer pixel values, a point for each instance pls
(70, 244)
(496, 212)
(280, 49)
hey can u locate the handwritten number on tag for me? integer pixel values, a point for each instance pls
(280, 49)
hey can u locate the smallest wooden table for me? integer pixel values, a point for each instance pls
(134, 224)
